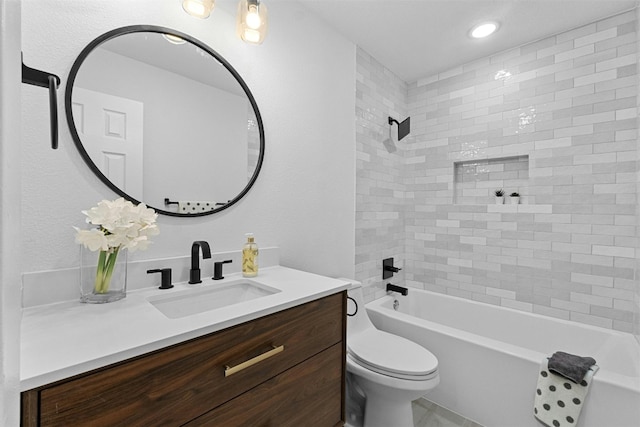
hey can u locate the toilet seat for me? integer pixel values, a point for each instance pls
(392, 355)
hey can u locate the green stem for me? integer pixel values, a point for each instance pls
(104, 270)
(111, 264)
(100, 272)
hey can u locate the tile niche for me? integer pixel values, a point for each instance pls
(475, 181)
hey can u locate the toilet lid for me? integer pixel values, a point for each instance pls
(390, 354)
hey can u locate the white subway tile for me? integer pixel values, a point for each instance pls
(606, 116)
(573, 248)
(575, 53)
(595, 78)
(616, 62)
(592, 299)
(614, 188)
(610, 292)
(594, 158)
(573, 131)
(596, 37)
(447, 223)
(605, 261)
(626, 135)
(592, 320)
(473, 240)
(460, 262)
(502, 293)
(628, 113)
(590, 279)
(553, 218)
(614, 251)
(570, 305)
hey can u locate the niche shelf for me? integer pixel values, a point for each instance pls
(474, 181)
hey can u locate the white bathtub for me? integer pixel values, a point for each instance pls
(489, 358)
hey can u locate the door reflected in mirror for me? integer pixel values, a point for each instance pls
(163, 119)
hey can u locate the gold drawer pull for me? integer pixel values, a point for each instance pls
(230, 370)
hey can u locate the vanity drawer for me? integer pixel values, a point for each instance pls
(175, 385)
(307, 394)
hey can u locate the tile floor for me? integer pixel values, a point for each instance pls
(428, 414)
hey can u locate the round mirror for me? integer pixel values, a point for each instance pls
(161, 118)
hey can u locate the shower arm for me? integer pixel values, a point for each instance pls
(403, 128)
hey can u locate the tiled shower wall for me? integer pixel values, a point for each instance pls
(379, 182)
(568, 102)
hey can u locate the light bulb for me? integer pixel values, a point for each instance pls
(253, 18)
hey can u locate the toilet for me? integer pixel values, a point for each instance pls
(390, 371)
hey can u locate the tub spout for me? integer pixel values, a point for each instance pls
(395, 288)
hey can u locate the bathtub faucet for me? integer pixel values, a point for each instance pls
(388, 269)
(395, 288)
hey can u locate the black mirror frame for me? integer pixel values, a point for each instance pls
(161, 30)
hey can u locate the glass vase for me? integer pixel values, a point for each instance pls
(103, 275)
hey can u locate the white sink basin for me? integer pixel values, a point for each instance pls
(210, 297)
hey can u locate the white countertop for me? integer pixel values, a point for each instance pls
(65, 339)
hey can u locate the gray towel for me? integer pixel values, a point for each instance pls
(570, 366)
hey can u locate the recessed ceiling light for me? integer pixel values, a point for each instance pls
(483, 30)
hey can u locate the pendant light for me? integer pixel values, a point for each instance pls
(252, 23)
(198, 8)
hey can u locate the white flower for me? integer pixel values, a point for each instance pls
(139, 243)
(119, 224)
(146, 215)
(93, 239)
(149, 230)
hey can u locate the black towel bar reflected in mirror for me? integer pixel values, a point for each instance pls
(35, 77)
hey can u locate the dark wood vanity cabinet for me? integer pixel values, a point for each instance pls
(297, 379)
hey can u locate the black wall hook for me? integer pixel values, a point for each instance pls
(35, 77)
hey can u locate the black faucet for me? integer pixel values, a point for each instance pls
(166, 277)
(217, 269)
(388, 269)
(194, 273)
(395, 288)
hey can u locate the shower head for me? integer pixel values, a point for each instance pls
(403, 128)
(388, 143)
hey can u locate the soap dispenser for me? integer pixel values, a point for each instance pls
(250, 257)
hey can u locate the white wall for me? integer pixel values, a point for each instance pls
(9, 211)
(303, 79)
